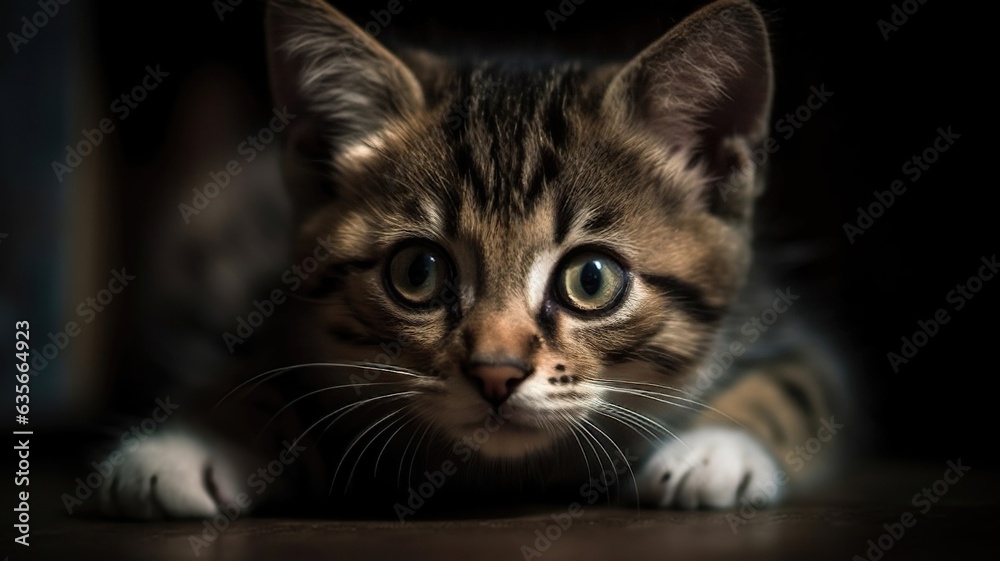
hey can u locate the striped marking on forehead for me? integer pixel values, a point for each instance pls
(507, 146)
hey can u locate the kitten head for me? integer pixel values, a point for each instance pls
(530, 240)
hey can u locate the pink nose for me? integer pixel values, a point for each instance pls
(496, 382)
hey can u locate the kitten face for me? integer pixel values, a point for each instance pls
(530, 256)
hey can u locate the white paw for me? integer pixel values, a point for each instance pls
(170, 475)
(707, 468)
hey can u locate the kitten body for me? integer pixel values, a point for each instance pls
(547, 290)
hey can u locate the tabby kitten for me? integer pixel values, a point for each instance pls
(524, 291)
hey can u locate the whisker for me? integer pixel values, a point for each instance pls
(635, 484)
(635, 416)
(671, 433)
(591, 439)
(409, 474)
(357, 439)
(648, 393)
(388, 440)
(352, 407)
(314, 392)
(586, 462)
(349, 364)
(631, 425)
(661, 386)
(402, 457)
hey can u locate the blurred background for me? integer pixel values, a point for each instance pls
(116, 113)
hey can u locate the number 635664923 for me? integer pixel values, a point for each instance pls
(21, 337)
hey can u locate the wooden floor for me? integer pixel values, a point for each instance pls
(845, 521)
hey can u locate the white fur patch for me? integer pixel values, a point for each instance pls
(538, 278)
(709, 468)
(164, 477)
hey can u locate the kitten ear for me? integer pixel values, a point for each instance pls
(342, 84)
(704, 91)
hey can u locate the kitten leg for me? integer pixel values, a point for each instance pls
(788, 404)
(169, 475)
(777, 406)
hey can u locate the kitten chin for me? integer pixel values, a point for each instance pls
(510, 431)
(508, 442)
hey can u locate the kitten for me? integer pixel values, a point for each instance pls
(529, 291)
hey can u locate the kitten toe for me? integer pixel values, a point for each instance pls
(167, 476)
(706, 468)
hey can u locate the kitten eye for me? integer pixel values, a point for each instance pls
(591, 282)
(416, 274)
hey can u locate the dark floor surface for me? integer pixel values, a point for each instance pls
(836, 524)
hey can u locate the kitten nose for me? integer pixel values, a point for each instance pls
(497, 381)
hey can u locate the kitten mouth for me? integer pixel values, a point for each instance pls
(500, 435)
(501, 419)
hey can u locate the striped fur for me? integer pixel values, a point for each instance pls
(504, 171)
(509, 166)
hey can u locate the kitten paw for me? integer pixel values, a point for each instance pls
(708, 468)
(166, 476)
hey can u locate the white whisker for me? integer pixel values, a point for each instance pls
(301, 397)
(409, 474)
(591, 438)
(635, 484)
(278, 371)
(357, 439)
(665, 398)
(648, 422)
(349, 407)
(388, 440)
(586, 462)
(628, 423)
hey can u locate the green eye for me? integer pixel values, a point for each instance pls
(591, 282)
(417, 273)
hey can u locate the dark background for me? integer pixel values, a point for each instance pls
(889, 99)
